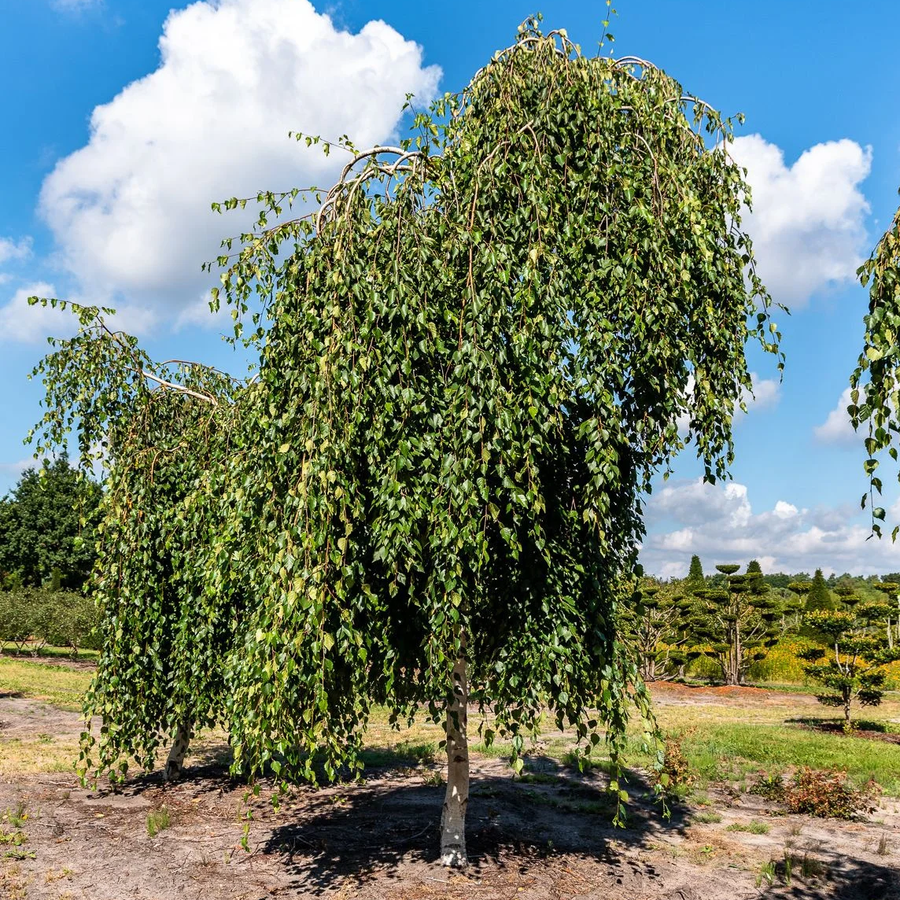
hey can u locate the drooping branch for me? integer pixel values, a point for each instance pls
(171, 385)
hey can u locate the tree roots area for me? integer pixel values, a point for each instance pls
(547, 834)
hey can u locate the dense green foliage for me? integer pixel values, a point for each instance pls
(695, 580)
(47, 527)
(818, 597)
(473, 359)
(875, 382)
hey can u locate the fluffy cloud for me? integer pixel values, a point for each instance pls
(808, 219)
(765, 395)
(131, 210)
(26, 324)
(718, 523)
(836, 429)
(14, 250)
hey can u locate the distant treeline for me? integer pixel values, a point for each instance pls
(47, 529)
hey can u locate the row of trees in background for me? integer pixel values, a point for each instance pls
(32, 619)
(734, 618)
(47, 550)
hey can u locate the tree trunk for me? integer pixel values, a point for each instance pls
(453, 817)
(175, 763)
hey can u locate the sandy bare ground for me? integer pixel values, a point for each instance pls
(547, 837)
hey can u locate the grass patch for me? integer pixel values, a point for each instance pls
(749, 827)
(730, 751)
(158, 821)
(706, 818)
(540, 778)
(60, 686)
(403, 753)
(8, 649)
(29, 756)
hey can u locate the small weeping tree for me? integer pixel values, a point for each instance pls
(891, 591)
(474, 353)
(161, 432)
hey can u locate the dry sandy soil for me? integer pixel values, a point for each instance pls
(538, 838)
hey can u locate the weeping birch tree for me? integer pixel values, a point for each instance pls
(475, 351)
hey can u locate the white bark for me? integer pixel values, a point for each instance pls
(453, 817)
(175, 762)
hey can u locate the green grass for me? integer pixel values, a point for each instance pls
(731, 751)
(157, 821)
(749, 827)
(9, 650)
(706, 818)
(405, 752)
(60, 686)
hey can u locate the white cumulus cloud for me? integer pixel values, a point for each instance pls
(14, 250)
(26, 324)
(836, 429)
(15, 469)
(718, 523)
(808, 219)
(130, 211)
(765, 395)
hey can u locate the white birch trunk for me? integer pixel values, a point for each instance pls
(175, 763)
(453, 817)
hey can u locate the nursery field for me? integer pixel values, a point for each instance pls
(545, 834)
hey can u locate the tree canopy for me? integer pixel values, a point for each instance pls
(474, 353)
(47, 527)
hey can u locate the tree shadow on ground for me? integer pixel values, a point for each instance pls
(835, 877)
(366, 831)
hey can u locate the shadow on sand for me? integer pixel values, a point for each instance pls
(367, 831)
(516, 828)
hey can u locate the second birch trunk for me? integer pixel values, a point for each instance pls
(175, 763)
(453, 817)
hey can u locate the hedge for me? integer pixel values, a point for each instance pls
(32, 618)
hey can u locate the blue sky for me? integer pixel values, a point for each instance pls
(124, 120)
